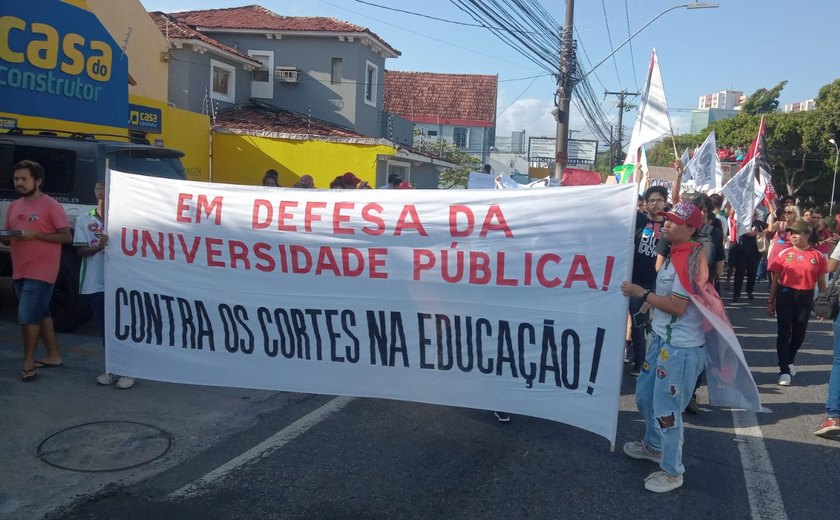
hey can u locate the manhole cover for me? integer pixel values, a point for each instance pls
(104, 446)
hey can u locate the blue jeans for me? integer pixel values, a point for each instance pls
(832, 405)
(665, 385)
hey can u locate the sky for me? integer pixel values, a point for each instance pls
(741, 45)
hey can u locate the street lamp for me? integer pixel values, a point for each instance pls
(693, 5)
(833, 182)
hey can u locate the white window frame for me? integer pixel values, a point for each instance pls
(400, 164)
(231, 96)
(263, 89)
(373, 91)
(335, 79)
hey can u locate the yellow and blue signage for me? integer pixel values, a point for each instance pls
(144, 119)
(58, 61)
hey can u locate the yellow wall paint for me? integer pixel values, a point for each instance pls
(44, 123)
(144, 44)
(241, 159)
(186, 131)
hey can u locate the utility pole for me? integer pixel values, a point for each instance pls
(615, 158)
(565, 86)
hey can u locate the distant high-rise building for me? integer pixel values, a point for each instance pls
(517, 142)
(801, 106)
(725, 99)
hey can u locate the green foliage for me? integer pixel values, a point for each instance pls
(764, 101)
(451, 177)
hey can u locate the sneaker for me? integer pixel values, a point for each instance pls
(784, 380)
(829, 427)
(792, 369)
(661, 482)
(125, 382)
(693, 407)
(105, 379)
(638, 450)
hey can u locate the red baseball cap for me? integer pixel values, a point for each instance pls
(684, 212)
(350, 178)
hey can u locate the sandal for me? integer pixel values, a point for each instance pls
(28, 375)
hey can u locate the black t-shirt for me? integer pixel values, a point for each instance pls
(647, 236)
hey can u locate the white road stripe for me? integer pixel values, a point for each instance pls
(762, 488)
(276, 441)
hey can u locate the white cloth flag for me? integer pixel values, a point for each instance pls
(652, 119)
(704, 168)
(685, 159)
(473, 298)
(743, 192)
(644, 166)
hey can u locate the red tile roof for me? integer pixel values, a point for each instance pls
(257, 119)
(174, 29)
(448, 99)
(259, 18)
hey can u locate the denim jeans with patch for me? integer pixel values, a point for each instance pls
(832, 404)
(663, 390)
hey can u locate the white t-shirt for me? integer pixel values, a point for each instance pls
(89, 227)
(678, 331)
(836, 253)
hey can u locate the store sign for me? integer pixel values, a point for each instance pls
(145, 119)
(58, 61)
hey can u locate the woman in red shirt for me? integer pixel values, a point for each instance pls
(794, 272)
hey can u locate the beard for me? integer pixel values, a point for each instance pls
(26, 193)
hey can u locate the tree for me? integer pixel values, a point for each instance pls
(451, 177)
(763, 101)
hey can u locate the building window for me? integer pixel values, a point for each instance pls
(432, 133)
(403, 169)
(335, 71)
(262, 85)
(222, 81)
(371, 78)
(460, 137)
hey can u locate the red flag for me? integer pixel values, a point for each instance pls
(759, 148)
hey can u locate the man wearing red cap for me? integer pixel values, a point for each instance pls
(676, 355)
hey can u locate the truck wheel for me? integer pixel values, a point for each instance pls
(69, 308)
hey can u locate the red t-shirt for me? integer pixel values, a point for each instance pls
(36, 259)
(798, 269)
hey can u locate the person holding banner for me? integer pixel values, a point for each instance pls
(676, 356)
(90, 241)
(781, 238)
(794, 272)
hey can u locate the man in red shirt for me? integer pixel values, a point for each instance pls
(36, 227)
(794, 273)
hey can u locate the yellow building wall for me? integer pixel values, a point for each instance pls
(182, 130)
(243, 159)
(59, 125)
(145, 43)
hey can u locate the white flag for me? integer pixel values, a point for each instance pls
(704, 168)
(743, 193)
(652, 119)
(644, 173)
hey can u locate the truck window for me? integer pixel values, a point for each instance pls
(59, 167)
(147, 162)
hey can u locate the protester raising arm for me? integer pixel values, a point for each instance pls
(675, 189)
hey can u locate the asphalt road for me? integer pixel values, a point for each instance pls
(371, 459)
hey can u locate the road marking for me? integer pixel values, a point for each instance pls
(265, 448)
(762, 488)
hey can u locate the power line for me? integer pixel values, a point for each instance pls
(517, 97)
(632, 58)
(609, 38)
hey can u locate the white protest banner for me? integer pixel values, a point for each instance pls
(704, 168)
(742, 192)
(482, 299)
(486, 181)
